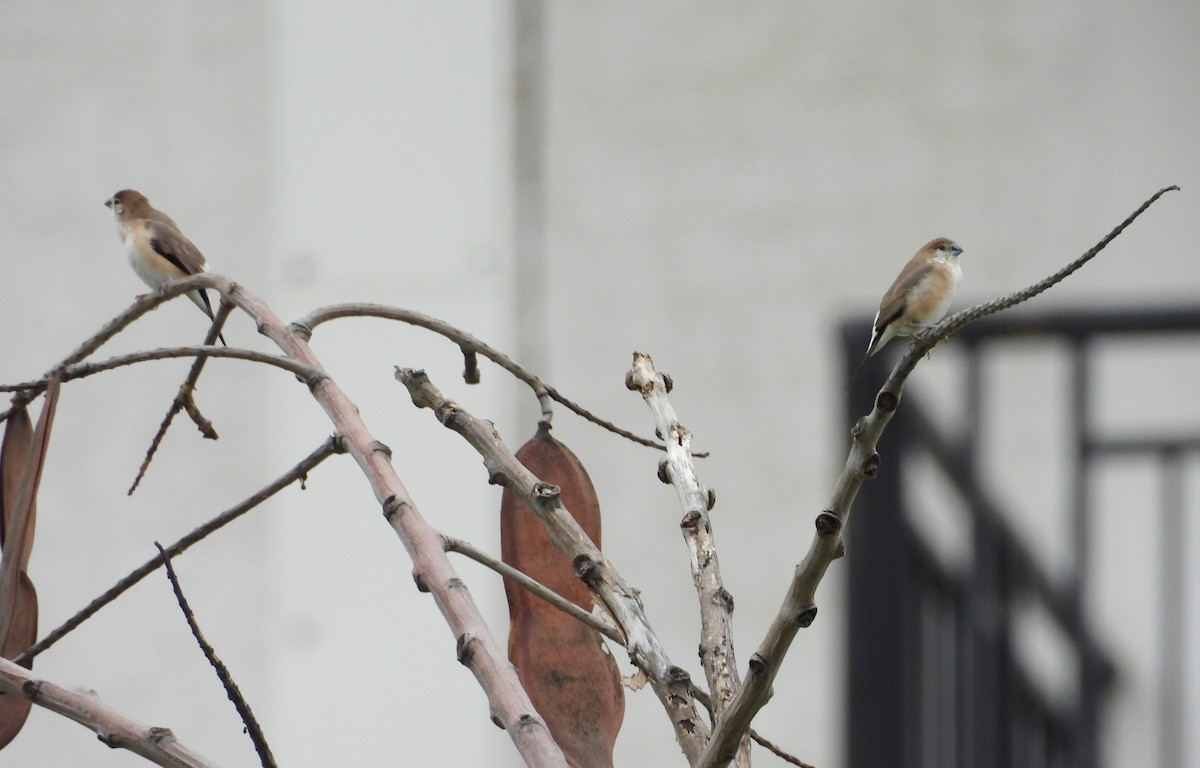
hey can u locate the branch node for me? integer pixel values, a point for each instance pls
(668, 383)
(394, 506)
(679, 675)
(859, 427)
(806, 616)
(159, 735)
(758, 665)
(314, 381)
(379, 447)
(691, 521)
(887, 401)
(527, 720)
(301, 330)
(464, 648)
(446, 413)
(664, 471)
(470, 366)
(31, 689)
(712, 498)
(870, 465)
(828, 523)
(496, 720)
(546, 493)
(724, 598)
(586, 569)
(419, 580)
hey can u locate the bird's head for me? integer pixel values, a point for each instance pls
(944, 248)
(125, 201)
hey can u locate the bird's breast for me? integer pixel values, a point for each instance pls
(931, 298)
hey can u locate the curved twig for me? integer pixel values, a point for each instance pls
(83, 370)
(470, 347)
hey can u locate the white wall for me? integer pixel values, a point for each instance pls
(722, 185)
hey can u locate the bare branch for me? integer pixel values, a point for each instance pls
(184, 400)
(298, 472)
(799, 608)
(535, 587)
(83, 370)
(777, 751)
(231, 688)
(471, 347)
(158, 745)
(670, 683)
(716, 604)
(432, 570)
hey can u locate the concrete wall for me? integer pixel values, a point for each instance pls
(717, 186)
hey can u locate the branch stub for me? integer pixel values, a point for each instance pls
(828, 523)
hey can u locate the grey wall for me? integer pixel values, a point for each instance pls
(718, 186)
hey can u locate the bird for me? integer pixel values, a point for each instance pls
(919, 297)
(157, 249)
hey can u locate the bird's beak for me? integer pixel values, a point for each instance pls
(108, 203)
(955, 249)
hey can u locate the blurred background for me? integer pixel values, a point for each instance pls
(722, 186)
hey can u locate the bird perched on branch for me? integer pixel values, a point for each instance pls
(920, 295)
(157, 249)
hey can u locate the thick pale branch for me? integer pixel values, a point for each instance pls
(158, 745)
(716, 604)
(432, 570)
(799, 607)
(669, 682)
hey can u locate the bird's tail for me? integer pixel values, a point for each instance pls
(206, 306)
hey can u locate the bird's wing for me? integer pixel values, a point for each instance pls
(895, 301)
(170, 243)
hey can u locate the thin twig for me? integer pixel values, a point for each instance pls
(298, 472)
(253, 729)
(184, 398)
(83, 370)
(670, 683)
(716, 604)
(799, 608)
(470, 347)
(534, 587)
(788, 758)
(154, 743)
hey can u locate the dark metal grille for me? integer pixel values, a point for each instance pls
(935, 672)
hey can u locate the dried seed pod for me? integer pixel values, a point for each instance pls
(571, 678)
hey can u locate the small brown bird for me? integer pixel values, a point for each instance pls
(157, 249)
(920, 296)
